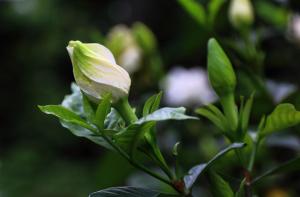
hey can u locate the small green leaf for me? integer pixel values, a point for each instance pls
(197, 170)
(275, 15)
(289, 166)
(284, 116)
(66, 115)
(125, 192)
(102, 110)
(88, 109)
(213, 9)
(219, 187)
(129, 138)
(245, 111)
(166, 113)
(114, 121)
(195, 9)
(152, 104)
(212, 113)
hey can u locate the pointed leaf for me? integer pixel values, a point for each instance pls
(125, 192)
(197, 170)
(284, 116)
(195, 9)
(291, 165)
(132, 136)
(166, 113)
(152, 104)
(65, 115)
(213, 8)
(88, 109)
(219, 187)
(102, 110)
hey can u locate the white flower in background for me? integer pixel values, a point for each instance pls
(188, 87)
(241, 13)
(121, 41)
(294, 28)
(96, 72)
(280, 91)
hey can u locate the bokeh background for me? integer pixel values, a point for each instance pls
(40, 158)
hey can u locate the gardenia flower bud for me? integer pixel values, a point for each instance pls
(96, 72)
(241, 13)
(220, 71)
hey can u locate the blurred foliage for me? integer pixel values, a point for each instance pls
(39, 158)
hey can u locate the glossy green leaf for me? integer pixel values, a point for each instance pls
(132, 136)
(195, 10)
(284, 116)
(74, 101)
(152, 104)
(125, 192)
(289, 166)
(197, 170)
(166, 113)
(102, 111)
(212, 113)
(219, 187)
(88, 109)
(114, 121)
(66, 115)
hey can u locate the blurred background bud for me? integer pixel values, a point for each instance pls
(294, 28)
(122, 43)
(188, 87)
(241, 13)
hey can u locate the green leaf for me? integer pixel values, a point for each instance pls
(152, 104)
(275, 15)
(144, 37)
(284, 116)
(289, 166)
(125, 192)
(74, 101)
(129, 138)
(66, 115)
(212, 113)
(114, 121)
(197, 170)
(219, 187)
(195, 9)
(102, 111)
(88, 109)
(166, 113)
(245, 116)
(213, 9)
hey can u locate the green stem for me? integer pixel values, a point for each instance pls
(253, 156)
(230, 110)
(124, 108)
(135, 164)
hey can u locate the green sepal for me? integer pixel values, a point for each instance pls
(102, 111)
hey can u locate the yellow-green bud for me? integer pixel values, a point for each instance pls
(241, 13)
(220, 71)
(96, 72)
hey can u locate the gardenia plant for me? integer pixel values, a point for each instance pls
(98, 109)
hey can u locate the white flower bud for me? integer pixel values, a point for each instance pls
(241, 13)
(96, 72)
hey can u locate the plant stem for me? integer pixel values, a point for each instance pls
(124, 108)
(135, 164)
(253, 156)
